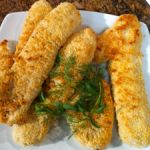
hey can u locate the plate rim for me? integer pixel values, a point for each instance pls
(23, 12)
(84, 11)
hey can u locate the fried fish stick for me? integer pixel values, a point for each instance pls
(111, 40)
(89, 136)
(81, 45)
(33, 64)
(6, 61)
(108, 44)
(128, 86)
(36, 13)
(34, 130)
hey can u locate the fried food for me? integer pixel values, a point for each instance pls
(89, 136)
(108, 44)
(128, 85)
(81, 45)
(32, 65)
(6, 62)
(34, 130)
(111, 41)
(36, 13)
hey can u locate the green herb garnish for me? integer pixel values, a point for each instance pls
(99, 102)
(89, 90)
(69, 107)
(56, 72)
(42, 109)
(93, 122)
(70, 136)
(41, 96)
(68, 66)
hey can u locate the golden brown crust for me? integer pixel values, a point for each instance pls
(6, 61)
(33, 130)
(129, 92)
(33, 64)
(81, 45)
(123, 33)
(35, 14)
(96, 138)
(77, 44)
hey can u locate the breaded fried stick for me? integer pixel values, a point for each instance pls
(89, 136)
(111, 41)
(33, 130)
(81, 45)
(128, 85)
(35, 14)
(33, 64)
(6, 61)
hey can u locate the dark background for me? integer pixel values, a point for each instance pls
(117, 7)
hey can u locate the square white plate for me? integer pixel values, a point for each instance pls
(57, 138)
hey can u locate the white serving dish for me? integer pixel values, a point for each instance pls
(57, 138)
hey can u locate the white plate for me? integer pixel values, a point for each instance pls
(57, 139)
(148, 1)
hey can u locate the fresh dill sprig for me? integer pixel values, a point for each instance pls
(92, 121)
(99, 102)
(55, 72)
(89, 90)
(71, 119)
(70, 136)
(42, 109)
(68, 66)
(57, 91)
(41, 96)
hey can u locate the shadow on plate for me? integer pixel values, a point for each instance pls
(116, 142)
(59, 132)
(3, 131)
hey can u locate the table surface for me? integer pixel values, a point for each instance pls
(117, 7)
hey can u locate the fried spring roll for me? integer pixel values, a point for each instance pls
(36, 13)
(128, 85)
(33, 64)
(81, 45)
(91, 137)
